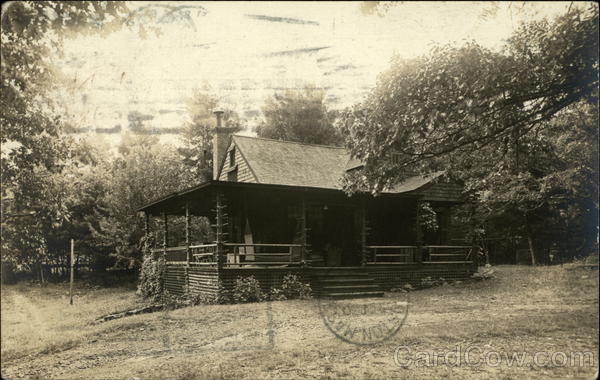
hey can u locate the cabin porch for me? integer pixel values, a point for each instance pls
(341, 245)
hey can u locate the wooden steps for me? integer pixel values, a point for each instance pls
(340, 283)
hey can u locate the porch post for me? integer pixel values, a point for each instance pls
(165, 235)
(419, 239)
(147, 231)
(187, 234)
(363, 233)
(304, 239)
(474, 246)
(475, 255)
(146, 224)
(220, 248)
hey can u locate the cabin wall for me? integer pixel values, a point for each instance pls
(205, 281)
(244, 174)
(175, 279)
(199, 280)
(268, 278)
(202, 280)
(441, 192)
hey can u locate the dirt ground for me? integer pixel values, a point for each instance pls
(547, 314)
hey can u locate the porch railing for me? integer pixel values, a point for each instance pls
(447, 253)
(202, 254)
(384, 254)
(236, 254)
(241, 254)
(261, 254)
(404, 254)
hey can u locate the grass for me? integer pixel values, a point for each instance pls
(40, 320)
(541, 309)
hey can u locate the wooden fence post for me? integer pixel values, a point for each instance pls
(72, 273)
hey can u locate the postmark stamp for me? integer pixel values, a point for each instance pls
(364, 321)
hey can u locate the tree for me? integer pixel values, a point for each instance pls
(34, 152)
(300, 116)
(459, 99)
(543, 186)
(492, 120)
(142, 174)
(197, 134)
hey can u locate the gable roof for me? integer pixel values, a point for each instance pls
(296, 164)
(414, 182)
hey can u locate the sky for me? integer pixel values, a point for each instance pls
(244, 52)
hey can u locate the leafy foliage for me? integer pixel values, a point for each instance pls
(548, 189)
(292, 288)
(221, 296)
(132, 180)
(428, 282)
(517, 127)
(300, 116)
(151, 279)
(197, 133)
(247, 289)
(428, 217)
(461, 99)
(34, 152)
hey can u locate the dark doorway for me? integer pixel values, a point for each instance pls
(332, 234)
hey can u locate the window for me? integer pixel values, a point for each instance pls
(232, 175)
(232, 158)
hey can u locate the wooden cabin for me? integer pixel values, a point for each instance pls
(277, 207)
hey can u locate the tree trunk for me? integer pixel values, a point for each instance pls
(41, 273)
(530, 239)
(531, 251)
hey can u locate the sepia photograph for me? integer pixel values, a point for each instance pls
(255, 190)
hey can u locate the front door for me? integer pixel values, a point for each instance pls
(332, 234)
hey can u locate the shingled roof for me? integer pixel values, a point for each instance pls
(297, 164)
(291, 163)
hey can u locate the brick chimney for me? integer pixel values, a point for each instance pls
(221, 139)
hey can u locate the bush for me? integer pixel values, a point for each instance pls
(172, 301)
(175, 301)
(276, 294)
(151, 277)
(428, 282)
(222, 296)
(152, 271)
(247, 289)
(293, 288)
